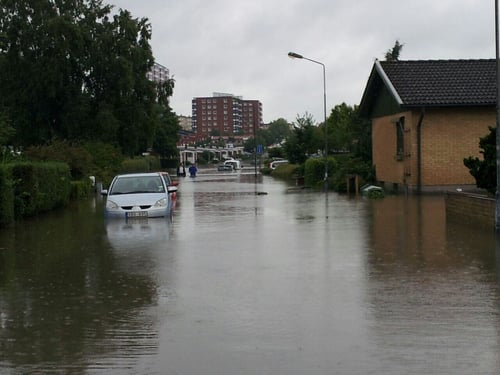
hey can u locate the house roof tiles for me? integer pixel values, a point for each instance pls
(437, 83)
(443, 82)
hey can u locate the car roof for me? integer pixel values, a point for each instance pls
(148, 174)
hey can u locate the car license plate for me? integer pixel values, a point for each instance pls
(134, 214)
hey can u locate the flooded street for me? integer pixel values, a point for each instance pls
(250, 279)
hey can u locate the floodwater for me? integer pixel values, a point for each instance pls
(248, 278)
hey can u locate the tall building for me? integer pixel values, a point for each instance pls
(228, 114)
(158, 73)
(185, 123)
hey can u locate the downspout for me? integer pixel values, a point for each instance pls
(419, 151)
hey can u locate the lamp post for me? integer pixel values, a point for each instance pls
(294, 55)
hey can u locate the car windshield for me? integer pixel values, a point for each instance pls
(137, 184)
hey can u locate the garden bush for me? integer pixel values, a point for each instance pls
(81, 189)
(141, 165)
(6, 197)
(314, 171)
(39, 187)
(286, 171)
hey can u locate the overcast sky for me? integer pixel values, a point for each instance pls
(240, 47)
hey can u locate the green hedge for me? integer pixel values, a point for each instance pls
(6, 197)
(140, 165)
(81, 189)
(314, 171)
(31, 188)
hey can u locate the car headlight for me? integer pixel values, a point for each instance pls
(162, 203)
(111, 205)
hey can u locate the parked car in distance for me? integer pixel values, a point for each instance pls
(236, 164)
(170, 182)
(168, 179)
(138, 195)
(225, 168)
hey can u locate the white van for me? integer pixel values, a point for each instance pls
(275, 163)
(236, 164)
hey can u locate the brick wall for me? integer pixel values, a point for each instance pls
(388, 168)
(448, 136)
(472, 209)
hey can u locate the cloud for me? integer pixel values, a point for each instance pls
(241, 47)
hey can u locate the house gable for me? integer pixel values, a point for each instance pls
(430, 83)
(427, 116)
(384, 104)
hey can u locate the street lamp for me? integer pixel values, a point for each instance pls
(294, 55)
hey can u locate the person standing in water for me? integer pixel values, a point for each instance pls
(181, 170)
(193, 170)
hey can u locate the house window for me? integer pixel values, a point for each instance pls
(400, 129)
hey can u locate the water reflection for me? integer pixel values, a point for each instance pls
(432, 290)
(138, 235)
(413, 234)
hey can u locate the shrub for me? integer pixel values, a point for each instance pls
(39, 187)
(286, 171)
(106, 161)
(6, 197)
(140, 165)
(76, 156)
(485, 171)
(81, 189)
(314, 171)
(346, 166)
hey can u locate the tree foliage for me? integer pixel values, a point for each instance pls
(6, 130)
(304, 140)
(348, 132)
(278, 131)
(275, 134)
(393, 53)
(74, 70)
(484, 170)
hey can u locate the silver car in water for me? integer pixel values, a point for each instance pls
(138, 195)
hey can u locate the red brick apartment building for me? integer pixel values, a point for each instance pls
(228, 114)
(426, 117)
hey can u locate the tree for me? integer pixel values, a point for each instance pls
(304, 140)
(278, 131)
(339, 128)
(393, 54)
(166, 134)
(6, 130)
(361, 142)
(484, 171)
(348, 132)
(71, 70)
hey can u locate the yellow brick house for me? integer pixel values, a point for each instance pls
(426, 117)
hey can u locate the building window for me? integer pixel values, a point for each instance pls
(400, 130)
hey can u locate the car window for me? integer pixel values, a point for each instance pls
(135, 185)
(167, 179)
(122, 186)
